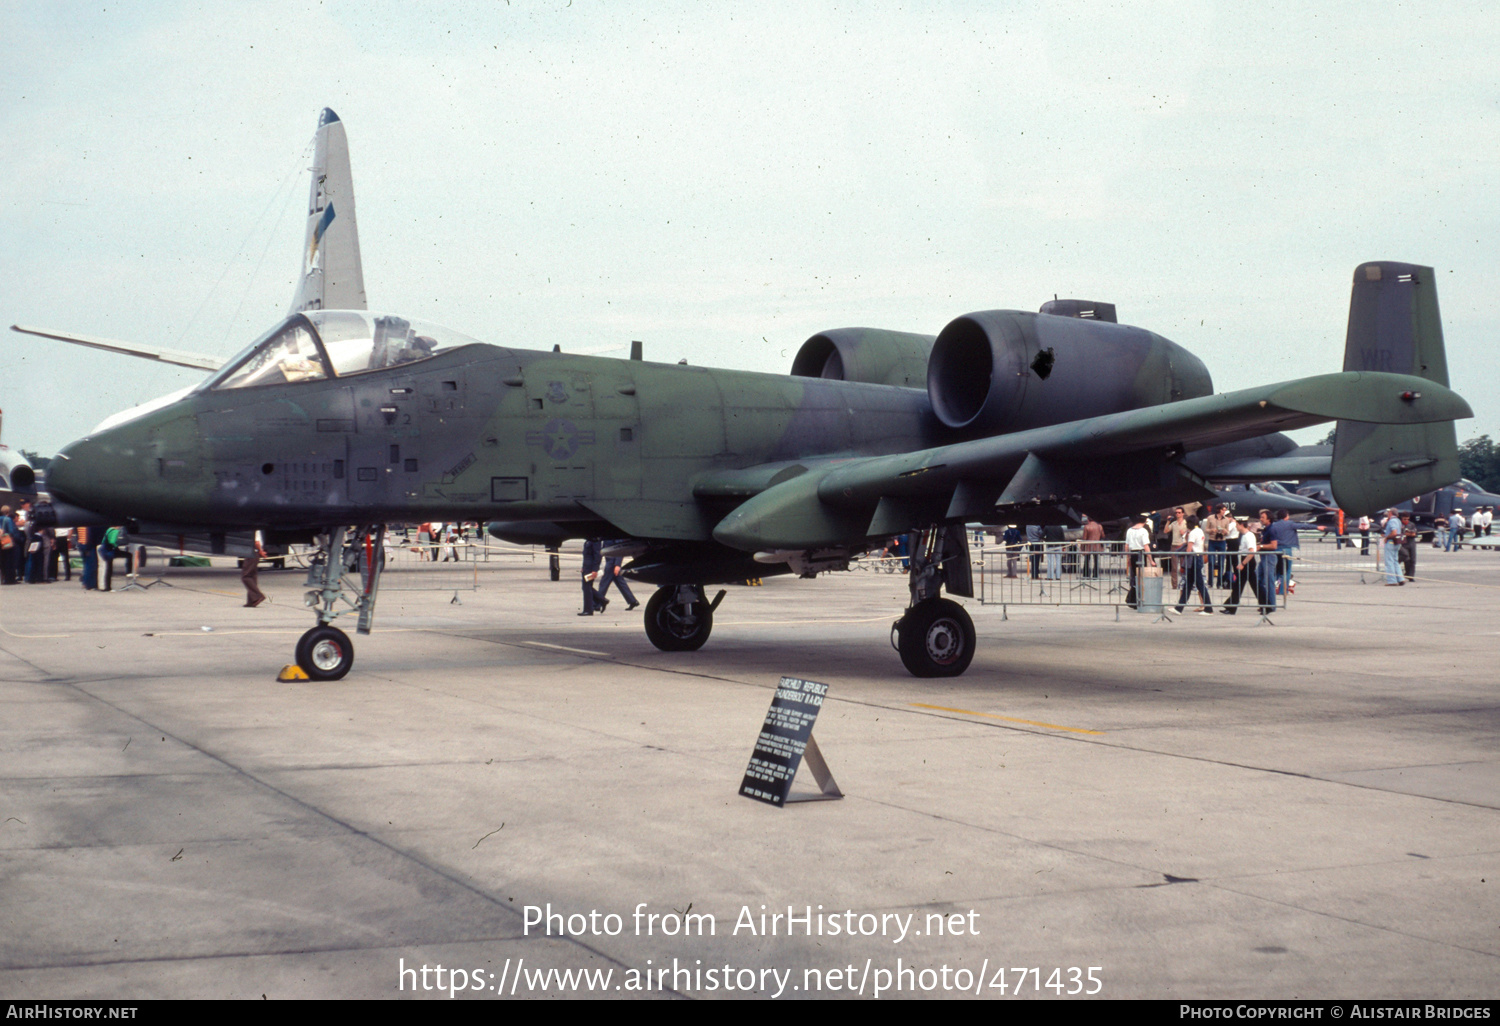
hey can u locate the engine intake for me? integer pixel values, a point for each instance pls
(870, 355)
(1009, 370)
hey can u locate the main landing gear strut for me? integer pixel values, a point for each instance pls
(344, 575)
(935, 636)
(679, 617)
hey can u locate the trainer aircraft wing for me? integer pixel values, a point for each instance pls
(1070, 463)
(177, 357)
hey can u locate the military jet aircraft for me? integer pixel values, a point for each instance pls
(1248, 500)
(1271, 496)
(336, 422)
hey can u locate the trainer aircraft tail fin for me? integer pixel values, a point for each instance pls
(1394, 327)
(332, 277)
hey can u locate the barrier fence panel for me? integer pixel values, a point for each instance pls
(1097, 574)
(1053, 573)
(1353, 554)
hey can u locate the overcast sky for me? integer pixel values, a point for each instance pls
(724, 180)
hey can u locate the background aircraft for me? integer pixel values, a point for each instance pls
(1463, 496)
(17, 478)
(335, 422)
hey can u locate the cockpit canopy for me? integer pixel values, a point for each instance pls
(324, 344)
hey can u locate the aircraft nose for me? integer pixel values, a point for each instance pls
(71, 473)
(148, 468)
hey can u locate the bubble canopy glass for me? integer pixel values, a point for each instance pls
(322, 344)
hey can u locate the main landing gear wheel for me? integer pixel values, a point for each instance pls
(325, 653)
(679, 618)
(936, 639)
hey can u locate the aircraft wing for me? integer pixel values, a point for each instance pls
(172, 356)
(833, 501)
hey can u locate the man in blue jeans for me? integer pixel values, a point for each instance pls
(1287, 544)
(1265, 565)
(612, 576)
(1390, 535)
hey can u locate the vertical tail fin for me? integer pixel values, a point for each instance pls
(332, 277)
(1393, 326)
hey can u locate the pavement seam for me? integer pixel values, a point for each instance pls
(443, 873)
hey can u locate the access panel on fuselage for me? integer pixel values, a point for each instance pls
(560, 434)
(282, 449)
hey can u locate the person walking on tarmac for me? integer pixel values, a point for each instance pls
(1193, 569)
(612, 576)
(1244, 571)
(593, 551)
(250, 573)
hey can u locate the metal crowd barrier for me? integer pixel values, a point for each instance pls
(444, 566)
(1091, 574)
(1326, 555)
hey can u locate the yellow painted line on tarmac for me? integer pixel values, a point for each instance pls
(1007, 719)
(566, 648)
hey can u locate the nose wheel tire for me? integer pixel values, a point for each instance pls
(676, 626)
(325, 653)
(936, 639)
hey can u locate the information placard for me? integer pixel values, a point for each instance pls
(785, 742)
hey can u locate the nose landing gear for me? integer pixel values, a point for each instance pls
(344, 576)
(325, 653)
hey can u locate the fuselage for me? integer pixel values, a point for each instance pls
(474, 433)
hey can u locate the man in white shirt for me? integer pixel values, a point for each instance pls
(1244, 571)
(1137, 555)
(1194, 548)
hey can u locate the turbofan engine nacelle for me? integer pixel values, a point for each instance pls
(1009, 370)
(870, 355)
(15, 473)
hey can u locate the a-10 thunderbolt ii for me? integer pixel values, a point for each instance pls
(336, 422)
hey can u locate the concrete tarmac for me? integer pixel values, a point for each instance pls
(1196, 809)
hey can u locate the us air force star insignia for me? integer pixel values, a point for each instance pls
(560, 439)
